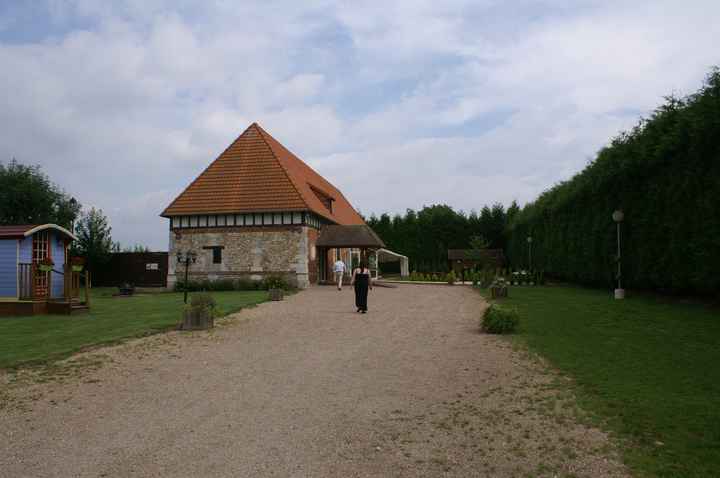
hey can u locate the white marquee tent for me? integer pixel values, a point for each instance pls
(384, 255)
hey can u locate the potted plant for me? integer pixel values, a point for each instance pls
(200, 314)
(45, 265)
(276, 287)
(498, 288)
(77, 263)
(451, 278)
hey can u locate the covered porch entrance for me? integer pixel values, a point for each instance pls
(350, 244)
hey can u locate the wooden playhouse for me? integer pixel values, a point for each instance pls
(36, 276)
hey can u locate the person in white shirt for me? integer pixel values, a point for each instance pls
(339, 269)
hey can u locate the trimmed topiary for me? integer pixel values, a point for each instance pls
(499, 319)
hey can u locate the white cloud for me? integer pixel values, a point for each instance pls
(401, 104)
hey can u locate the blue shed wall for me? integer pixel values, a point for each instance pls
(8, 267)
(26, 250)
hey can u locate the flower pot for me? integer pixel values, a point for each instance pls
(77, 268)
(276, 294)
(44, 267)
(197, 318)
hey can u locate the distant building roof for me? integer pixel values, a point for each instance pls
(257, 173)
(24, 230)
(360, 236)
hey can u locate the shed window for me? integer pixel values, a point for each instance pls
(216, 253)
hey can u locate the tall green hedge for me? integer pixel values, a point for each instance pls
(665, 175)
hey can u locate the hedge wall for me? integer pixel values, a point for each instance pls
(665, 176)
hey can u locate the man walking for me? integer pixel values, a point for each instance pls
(339, 269)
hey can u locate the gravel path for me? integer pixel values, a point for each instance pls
(306, 387)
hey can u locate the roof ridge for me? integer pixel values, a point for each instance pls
(319, 176)
(262, 133)
(206, 169)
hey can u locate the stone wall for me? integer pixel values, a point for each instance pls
(248, 252)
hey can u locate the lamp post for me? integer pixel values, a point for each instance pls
(186, 258)
(618, 217)
(529, 241)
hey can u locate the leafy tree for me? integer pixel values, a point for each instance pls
(27, 196)
(94, 239)
(512, 211)
(425, 236)
(478, 243)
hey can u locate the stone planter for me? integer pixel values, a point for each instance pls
(276, 294)
(197, 318)
(498, 292)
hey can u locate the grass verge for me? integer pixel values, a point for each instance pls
(647, 369)
(43, 338)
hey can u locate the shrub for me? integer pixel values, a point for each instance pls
(451, 278)
(202, 300)
(246, 284)
(275, 282)
(220, 285)
(499, 319)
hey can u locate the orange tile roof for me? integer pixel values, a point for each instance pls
(257, 173)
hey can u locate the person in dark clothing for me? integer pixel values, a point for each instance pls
(362, 282)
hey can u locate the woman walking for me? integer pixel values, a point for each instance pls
(362, 283)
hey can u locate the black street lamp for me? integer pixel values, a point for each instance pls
(618, 217)
(186, 258)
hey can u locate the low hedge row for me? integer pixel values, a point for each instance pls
(273, 282)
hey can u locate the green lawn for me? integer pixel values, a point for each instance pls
(48, 337)
(647, 368)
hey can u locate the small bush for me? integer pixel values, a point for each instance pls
(220, 285)
(202, 300)
(500, 320)
(275, 282)
(451, 278)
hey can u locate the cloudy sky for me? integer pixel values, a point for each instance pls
(399, 104)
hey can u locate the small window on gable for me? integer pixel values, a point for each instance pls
(324, 198)
(216, 253)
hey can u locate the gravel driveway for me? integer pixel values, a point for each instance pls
(306, 387)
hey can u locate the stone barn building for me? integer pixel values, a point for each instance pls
(258, 210)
